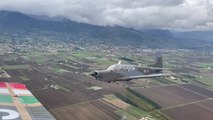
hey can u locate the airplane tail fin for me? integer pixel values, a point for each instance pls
(159, 62)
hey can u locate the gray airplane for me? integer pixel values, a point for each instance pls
(125, 72)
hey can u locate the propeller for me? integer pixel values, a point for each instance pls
(94, 74)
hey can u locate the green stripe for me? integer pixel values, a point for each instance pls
(28, 99)
(6, 99)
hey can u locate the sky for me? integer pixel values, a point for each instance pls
(139, 14)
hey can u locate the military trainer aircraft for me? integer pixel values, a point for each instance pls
(125, 72)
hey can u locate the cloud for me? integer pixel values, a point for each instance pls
(140, 14)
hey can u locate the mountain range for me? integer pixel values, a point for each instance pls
(148, 38)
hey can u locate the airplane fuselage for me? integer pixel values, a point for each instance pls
(122, 72)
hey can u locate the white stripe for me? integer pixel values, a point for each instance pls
(18, 92)
(4, 91)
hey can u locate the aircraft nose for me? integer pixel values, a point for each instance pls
(94, 74)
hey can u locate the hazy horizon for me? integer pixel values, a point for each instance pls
(181, 15)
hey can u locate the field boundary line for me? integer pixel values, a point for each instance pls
(73, 105)
(107, 103)
(159, 86)
(193, 92)
(203, 87)
(181, 105)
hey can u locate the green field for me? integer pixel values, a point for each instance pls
(159, 115)
(133, 113)
(84, 54)
(110, 97)
(103, 61)
(58, 70)
(24, 78)
(94, 57)
(125, 115)
(207, 81)
(205, 65)
(137, 100)
(15, 67)
(141, 107)
(40, 57)
(1, 70)
(136, 112)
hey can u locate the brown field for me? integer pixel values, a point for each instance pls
(197, 111)
(74, 89)
(95, 110)
(76, 93)
(32, 73)
(73, 98)
(167, 96)
(51, 98)
(14, 73)
(200, 90)
(36, 84)
(182, 102)
(117, 102)
(37, 79)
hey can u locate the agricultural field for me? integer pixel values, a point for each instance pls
(199, 90)
(94, 110)
(168, 96)
(139, 106)
(111, 98)
(181, 102)
(194, 111)
(57, 75)
(15, 67)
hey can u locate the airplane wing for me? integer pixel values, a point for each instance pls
(144, 76)
(156, 68)
(17, 103)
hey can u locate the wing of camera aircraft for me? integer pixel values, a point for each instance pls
(17, 103)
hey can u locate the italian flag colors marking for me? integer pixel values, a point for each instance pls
(2, 85)
(17, 102)
(19, 90)
(5, 99)
(28, 99)
(18, 86)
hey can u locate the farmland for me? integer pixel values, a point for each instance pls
(57, 75)
(194, 111)
(169, 95)
(95, 110)
(181, 102)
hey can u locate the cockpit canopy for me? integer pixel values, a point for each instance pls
(121, 67)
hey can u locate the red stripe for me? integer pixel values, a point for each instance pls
(18, 86)
(2, 84)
